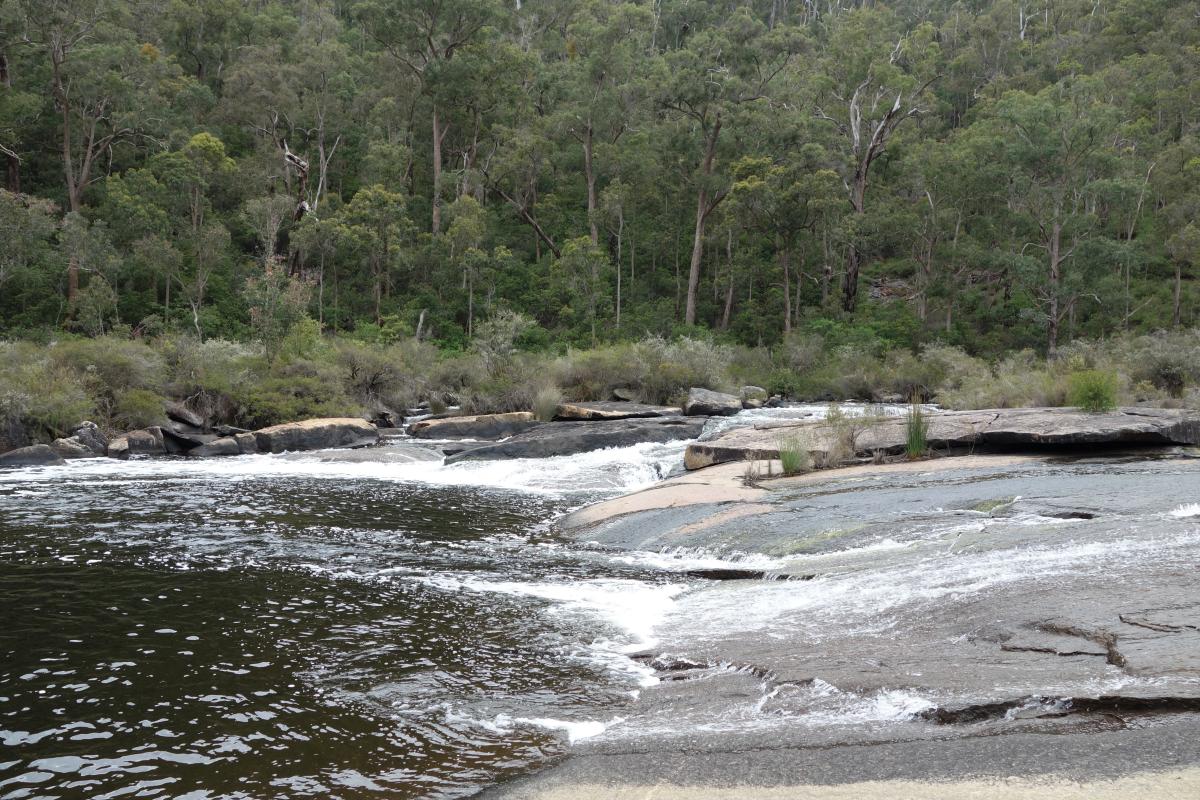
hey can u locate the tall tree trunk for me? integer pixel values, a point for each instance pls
(858, 194)
(13, 163)
(1055, 246)
(590, 176)
(703, 207)
(1178, 293)
(786, 266)
(729, 291)
(620, 234)
(438, 133)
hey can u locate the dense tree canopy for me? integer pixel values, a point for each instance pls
(996, 174)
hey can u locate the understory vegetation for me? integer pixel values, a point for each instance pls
(122, 383)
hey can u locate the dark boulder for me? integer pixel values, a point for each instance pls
(90, 435)
(38, 455)
(229, 430)
(569, 438)
(225, 446)
(85, 441)
(316, 434)
(707, 403)
(482, 426)
(176, 442)
(178, 412)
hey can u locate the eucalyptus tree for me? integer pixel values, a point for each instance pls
(705, 84)
(602, 86)
(1054, 150)
(421, 36)
(102, 82)
(873, 78)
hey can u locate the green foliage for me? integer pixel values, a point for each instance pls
(293, 395)
(794, 457)
(1092, 390)
(916, 431)
(137, 408)
(546, 402)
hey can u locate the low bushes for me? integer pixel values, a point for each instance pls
(1092, 390)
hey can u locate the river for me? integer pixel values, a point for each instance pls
(319, 625)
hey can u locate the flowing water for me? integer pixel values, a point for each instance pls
(328, 625)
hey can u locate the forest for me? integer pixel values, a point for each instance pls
(994, 176)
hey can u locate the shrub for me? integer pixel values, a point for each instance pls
(546, 402)
(794, 457)
(916, 431)
(295, 397)
(137, 408)
(1092, 390)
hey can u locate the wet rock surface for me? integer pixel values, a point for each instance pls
(481, 426)
(1036, 428)
(569, 438)
(995, 602)
(581, 412)
(316, 434)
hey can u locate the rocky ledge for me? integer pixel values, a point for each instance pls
(1011, 428)
(570, 438)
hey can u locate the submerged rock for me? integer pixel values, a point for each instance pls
(705, 402)
(37, 455)
(582, 412)
(569, 438)
(481, 426)
(316, 434)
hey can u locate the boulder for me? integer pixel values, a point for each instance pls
(229, 430)
(482, 426)
(753, 393)
(180, 440)
(147, 442)
(707, 403)
(38, 455)
(1011, 428)
(624, 394)
(89, 434)
(570, 438)
(247, 443)
(752, 404)
(386, 418)
(178, 412)
(71, 448)
(85, 441)
(581, 412)
(224, 446)
(316, 434)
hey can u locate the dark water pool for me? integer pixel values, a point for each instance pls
(203, 632)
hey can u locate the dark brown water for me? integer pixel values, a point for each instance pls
(219, 630)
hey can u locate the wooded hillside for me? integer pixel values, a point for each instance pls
(991, 174)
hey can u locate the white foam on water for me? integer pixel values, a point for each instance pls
(683, 559)
(629, 609)
(575, 730)
(609, 471)
(1185, 511)
(872, 601)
